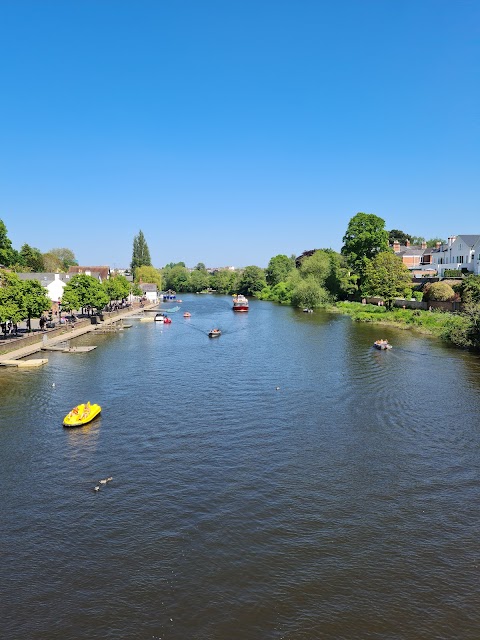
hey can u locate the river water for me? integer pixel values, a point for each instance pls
(344, 504)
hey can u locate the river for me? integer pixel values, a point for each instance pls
(283, 481)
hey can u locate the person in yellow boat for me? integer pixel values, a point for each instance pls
(86, 410)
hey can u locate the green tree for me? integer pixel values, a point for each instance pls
(307, 292)
(386, 277)
(8, 255)
(364, 239)
(140, 254)
(177, 278)
(224, 281)
(200, 267)
(399, 236)
(11, 297)
(433, 241)
(278, 269)
(34, 299)
(117, 287)
(84, 292)
(199, 280)
(417, 239)
(32, 258)
(470, 289)
(340, 282)
(317, 266)
(252, 281)
(52, 264)
(150, 275)
(65, 256)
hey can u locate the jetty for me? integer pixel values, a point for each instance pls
(34, 362)
(67, 349)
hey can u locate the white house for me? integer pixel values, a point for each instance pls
(54, 283)
(460, 253)
(149, 291)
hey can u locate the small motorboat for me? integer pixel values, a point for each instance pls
(214, 333)
(308, 310)
(187, 314)
(81, 414)
(382, 344)
(159, 317)
(167, 320)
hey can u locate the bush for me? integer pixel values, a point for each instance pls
(439, 291)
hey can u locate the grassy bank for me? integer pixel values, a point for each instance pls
(435, 323)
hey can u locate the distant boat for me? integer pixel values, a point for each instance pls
(307, 310)
(382, 344)
(81, 414)
(240, 303)
(214, 333)
(159, 317)
(187, 314)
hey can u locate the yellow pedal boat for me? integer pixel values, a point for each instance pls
(81, 414)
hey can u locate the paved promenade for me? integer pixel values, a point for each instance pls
(65, 332)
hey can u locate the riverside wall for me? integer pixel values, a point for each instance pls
(32, 343)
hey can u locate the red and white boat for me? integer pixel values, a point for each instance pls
(240, 303)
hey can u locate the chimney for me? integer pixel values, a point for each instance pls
(407, 243)
(438, 245)
(424, 245)
(396, 246)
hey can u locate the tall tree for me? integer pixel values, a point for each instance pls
(8, 255)
(148, 275)
(11, 297)
(117, 287)
(177, 278)
(84, 291)
(252, 281)
(32, 258)
(52, 264)
(200, 280)
(65, 256)
(140, 254)
(399, 236)
(365, 238)
(308, 292)
(317, 265)
(34, 299)
(387, 277)
(433, 241)
(278, 269)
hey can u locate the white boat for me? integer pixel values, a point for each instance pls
(240, 303)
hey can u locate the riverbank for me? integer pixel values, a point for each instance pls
(28, 345)
(435, 323)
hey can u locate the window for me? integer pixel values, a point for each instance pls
(460, 259)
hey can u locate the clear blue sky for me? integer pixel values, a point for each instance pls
(230, 131)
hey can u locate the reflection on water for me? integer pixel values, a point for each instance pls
(343, 504)
(84, 440)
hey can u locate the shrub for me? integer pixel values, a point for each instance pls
(440, 291)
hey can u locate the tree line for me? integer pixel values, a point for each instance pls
(30, 259)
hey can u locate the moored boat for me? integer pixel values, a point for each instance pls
(240, 303)
(187, 314)
(382, 344)
(214, 333)
(159, 317)
(81, 414)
